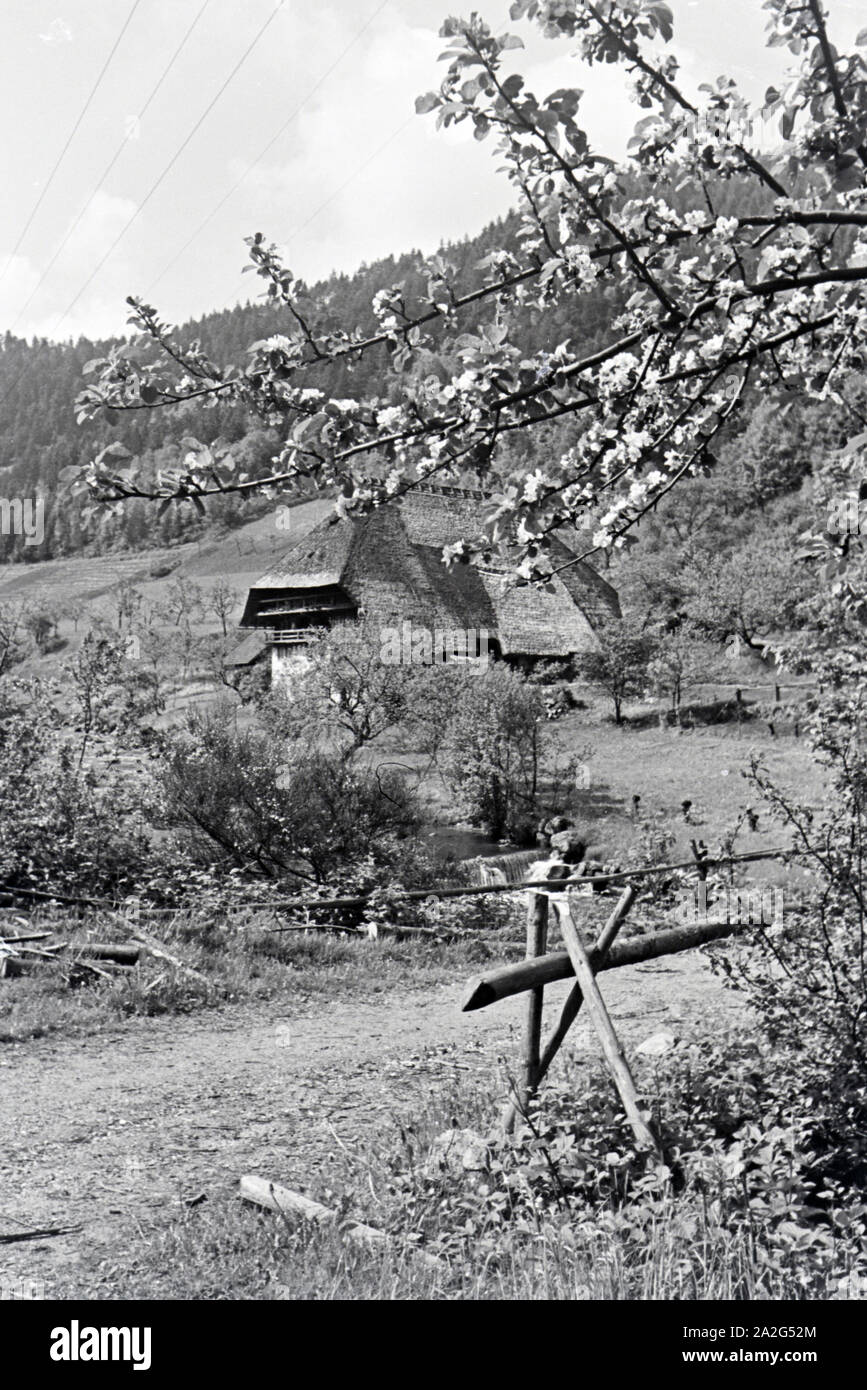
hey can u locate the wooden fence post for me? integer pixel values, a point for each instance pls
(537, 941)
(701, 856)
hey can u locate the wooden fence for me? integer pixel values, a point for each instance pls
(541, 968)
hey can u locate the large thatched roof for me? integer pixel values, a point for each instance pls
(389, 567)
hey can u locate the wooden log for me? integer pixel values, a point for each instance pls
(44, 1234)
(537, 940)
(611, 1047)
(41, 952)
(91, 950)
(106, 968)
(274, 1197)
(506, 980)
(97, 950)
(573, 1003)
(156, 949)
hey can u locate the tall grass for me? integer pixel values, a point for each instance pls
(226, 1250)
(241, 959)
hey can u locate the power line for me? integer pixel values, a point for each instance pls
(108, 169)
(262, 153)
(352, 177)
(69, 139)
(172, 162)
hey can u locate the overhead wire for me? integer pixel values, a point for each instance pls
(69, 139)
(266, 149)
(171, 164)
(108, 169)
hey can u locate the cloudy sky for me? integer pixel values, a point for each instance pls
(312, 140)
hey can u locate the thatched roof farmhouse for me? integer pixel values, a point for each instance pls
(387, 569)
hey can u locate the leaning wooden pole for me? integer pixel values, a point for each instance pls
(537, 941)
(575, 999)
(614, 1054)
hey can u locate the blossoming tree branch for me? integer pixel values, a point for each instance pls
(710, 309)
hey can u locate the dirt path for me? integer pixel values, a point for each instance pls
(100, 1132)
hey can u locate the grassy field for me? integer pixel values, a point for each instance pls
(224, 1249)
(240, 959)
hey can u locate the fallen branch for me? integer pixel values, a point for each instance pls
(274, 1197)
(39, 1235)
(161, 953)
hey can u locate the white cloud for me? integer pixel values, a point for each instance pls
(58, 32)
(101, 308)
(354, 176)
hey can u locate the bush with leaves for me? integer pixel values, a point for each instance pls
(62, 828)
(738, 1186)
(490, 751)
(239, 799)
(807, 974)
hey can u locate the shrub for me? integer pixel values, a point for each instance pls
(491, 752)
(238, 802)
(61, 828)
(738, 1190)
(806, 975)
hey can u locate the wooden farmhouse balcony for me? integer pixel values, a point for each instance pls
(293, 636)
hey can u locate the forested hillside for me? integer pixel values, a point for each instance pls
(39, 381)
